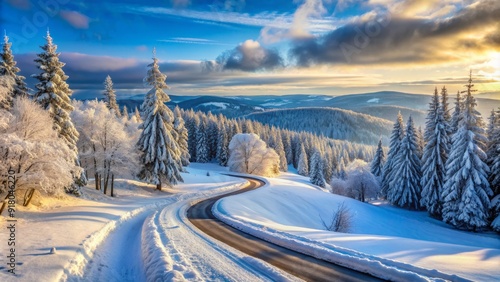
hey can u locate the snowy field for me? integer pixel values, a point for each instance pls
(383, 240)
(141, 235)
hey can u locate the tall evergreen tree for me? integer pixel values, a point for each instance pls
(342, 173)
(160, 153)
(316, 174)
(394, 145)
(8, 68)
(182, 136)
(303, 164)
(434, 158)
(494, 152)
(110, 96)
(457, 114)
(223, 145)
(444, 105)
(405, 188)
(202, 150)
(377, 164)
(137, 114)
(276, 143)
(466, 203)
(124, 113)
(53, 93)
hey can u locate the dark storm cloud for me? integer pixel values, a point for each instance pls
(250, 56)
(385, 38)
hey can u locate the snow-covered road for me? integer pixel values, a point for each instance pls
(160, 243)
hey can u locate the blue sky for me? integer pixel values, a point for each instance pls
(228, 47)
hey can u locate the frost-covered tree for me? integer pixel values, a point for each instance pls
(434, 158)
(445, 109)
(8, 68)
(6, 85)
(39, 158)
(276, 143)
(137, 115)
(110, 96)
(342, 173)
(160, 153)
(303, 164)
(494, 152)
(316, 173)
(394, 145)
(457, 114)
(124, 113)
(465, 195)
(202, 150)
(495, 210)
(249, 154)
(182, 136)
(361, 183)
(405, 187)
(53, 93)
(223, 145)
(377, 164)
(106, 145)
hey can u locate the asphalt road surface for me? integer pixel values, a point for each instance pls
(300, 265)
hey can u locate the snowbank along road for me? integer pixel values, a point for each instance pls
(298, 264)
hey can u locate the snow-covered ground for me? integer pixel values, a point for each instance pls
(140, 235)
(386, 241)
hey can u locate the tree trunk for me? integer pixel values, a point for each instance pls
(112, 184)
(158, 186)
(106, 180)
(96, 180)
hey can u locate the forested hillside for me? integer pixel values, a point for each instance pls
(329, 122)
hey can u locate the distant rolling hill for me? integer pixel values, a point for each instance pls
(384, 104)
(330, 122)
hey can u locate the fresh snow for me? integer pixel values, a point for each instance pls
(386, 241)
(138, 235)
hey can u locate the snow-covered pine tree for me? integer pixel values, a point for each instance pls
(124, 113)
(405, 187)
(377, 164)
(287, 145)
(494, 152)
(465, 195)
(160, 153)
(182, 136)
(316, 173)
(192, 122)
(110, 96)
(394, 145)
(202, 150)
(419, 133)
(491, 125)
(328, 165)
(494, 163)
(434, 158)
(342, 173)
(303, 164)
(276, 143)
(137, 115)
(457, 114)
(53, 93)
(223, 145)
(8, 68)
(444, 105)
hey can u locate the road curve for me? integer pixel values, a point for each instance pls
(295, 263)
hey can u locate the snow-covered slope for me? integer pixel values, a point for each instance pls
(291, 212)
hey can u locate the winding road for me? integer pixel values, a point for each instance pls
(295, 263)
